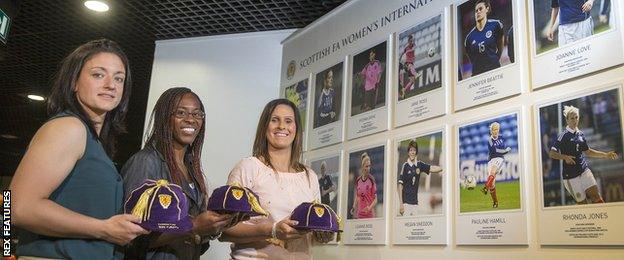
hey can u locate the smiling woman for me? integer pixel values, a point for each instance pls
(275, 174)
(173, 153)
(66, 190)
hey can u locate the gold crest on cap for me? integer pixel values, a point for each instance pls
(238, 194)
(165, 200)
(319, 211)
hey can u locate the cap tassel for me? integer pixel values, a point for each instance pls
(339, 220)
(140, 208)
(255, 204)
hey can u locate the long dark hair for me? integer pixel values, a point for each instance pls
(63, 97)
(161, 136)
(261, 144)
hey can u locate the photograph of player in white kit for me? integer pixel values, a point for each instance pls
(419, 178)
(581, 150)
(483, 26)
(489, 164)
(298, 94)
(328, 171)
(420, 58)
(328, 96)
(561, 22)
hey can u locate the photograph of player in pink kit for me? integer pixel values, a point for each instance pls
(420, 58)
(368, 89)
(366, 182)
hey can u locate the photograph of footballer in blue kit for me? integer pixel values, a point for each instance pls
(420, 58)
(489, 165)
(328, 171)
(485, 37)
(581, 150)
(298, 94)
(561, 22)
(419, 176)
(328, 96)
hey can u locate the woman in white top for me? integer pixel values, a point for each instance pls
(275, 174)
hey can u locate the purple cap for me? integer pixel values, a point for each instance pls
(316, 216)
(161, 206)
(235, 198)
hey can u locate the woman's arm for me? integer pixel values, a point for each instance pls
(373, 204)
(207, 223)
(600, 154)
(559, 156)
(248, 231)
(261, 229)
(52, 154)
(553, 18)
(435, 169)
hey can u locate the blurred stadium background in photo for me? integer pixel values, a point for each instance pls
(600, 121)
(377, 170)
(430, 185)
(501, 10)
(541, 21)
(473, 160)
(298, 94)
(427, 58)
(333, 170)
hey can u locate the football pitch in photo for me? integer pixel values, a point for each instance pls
(475, 201)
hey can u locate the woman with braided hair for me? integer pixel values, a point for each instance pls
(173, 152)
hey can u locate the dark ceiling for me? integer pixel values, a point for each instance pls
(43, 32)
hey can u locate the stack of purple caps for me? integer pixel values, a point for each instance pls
(235, 199)
(316, 217)
(161, 206)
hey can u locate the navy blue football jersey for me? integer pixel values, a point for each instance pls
(482, 46)
(326, 103)
(324, 184)
(497, 148)
(570, 11)
(410, 178)
(574, 144)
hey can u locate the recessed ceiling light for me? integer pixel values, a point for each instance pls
(97, 6)
(9, 136)
(36, 97)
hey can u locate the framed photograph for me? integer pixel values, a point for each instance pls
(368, 111)
(420, 183)
(487, 63)
(327, 107)
(369, 79)
(485, 27)
(571, 38)
(365, 222)
(420, 55)
(489, 169)
(582, 170)
(327, 168)
(490, 180)
(298, 94)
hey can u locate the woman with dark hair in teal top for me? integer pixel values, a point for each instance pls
(67, 193)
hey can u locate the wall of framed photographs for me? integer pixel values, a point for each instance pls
(454, 136)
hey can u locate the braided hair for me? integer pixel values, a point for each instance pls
(161, 136)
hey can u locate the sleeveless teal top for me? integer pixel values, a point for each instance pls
(93, 188)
